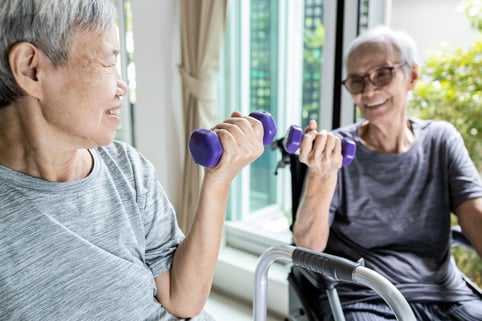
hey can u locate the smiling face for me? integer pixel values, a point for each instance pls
(386, 103)
(82, 100)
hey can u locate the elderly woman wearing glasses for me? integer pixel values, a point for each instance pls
(392, 205)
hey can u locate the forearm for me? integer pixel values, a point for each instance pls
(184, 289)
(311, 228)
(195, 259)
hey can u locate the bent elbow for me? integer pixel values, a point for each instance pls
(187, 312)
(187, 309)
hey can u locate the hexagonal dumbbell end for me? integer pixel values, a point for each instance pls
(205, 146)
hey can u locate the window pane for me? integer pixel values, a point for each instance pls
(125, 131)
(263, 93)
(313, 40)
(255, 44)
(362, 26)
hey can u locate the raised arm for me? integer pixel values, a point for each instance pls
(321, 152)
(184, 289)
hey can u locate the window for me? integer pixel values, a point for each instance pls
(279, 57)
(127, 69)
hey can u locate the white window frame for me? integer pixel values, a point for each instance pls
(248, 232)
(126, 130)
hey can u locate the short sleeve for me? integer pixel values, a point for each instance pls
(162, 233)
(464, 180)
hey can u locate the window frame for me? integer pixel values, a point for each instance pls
(126, 131)
(241, 232)
(246, 233)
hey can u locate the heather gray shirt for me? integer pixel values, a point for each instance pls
(86, 250)
(394, 211)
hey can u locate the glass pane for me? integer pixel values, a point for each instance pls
(263, 94)
(125, 130)
(362, 26)
(313, 40)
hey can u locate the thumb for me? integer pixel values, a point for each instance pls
(236, 114)
(312, 125)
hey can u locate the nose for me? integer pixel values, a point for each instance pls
(122, 88)
(368, 86)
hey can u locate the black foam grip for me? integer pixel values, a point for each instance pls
(335, 267)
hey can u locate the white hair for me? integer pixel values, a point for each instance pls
(49, 25)
(382, 35)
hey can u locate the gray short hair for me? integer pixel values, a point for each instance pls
(384, 36)
(49, 25)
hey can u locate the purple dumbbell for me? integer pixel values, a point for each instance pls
(294, 136)
(205, 146)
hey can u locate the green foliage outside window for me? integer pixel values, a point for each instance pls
(450, 88)
(313, 43)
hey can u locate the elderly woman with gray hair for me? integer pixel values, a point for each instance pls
(86, 229)
(392, 204)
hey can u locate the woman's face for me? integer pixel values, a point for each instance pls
(381, 104)
(82, 99)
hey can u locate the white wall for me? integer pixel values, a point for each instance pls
(432, 23)
(158, 117)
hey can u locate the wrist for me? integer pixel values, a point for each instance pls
(320, 182)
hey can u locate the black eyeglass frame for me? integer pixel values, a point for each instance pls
(368, 75)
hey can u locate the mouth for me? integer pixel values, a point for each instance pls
(376, 104)
(113, 112)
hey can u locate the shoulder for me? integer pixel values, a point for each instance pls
(123, 159)
(440, 129)
(347, 131)
(118, 149)
(432, 124)
(121, 152)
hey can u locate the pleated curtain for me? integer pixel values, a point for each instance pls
(202, 32)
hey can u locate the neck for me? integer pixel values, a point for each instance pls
(387, 138)
(27, 146)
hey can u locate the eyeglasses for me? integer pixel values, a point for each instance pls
(378, 77)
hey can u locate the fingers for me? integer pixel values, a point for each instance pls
(242, 140)
(326, 145)
(321, 151)
(241, 127)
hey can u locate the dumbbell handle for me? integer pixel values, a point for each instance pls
(294, 136)
(206, 148)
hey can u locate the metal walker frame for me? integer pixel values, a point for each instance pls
(332, 266)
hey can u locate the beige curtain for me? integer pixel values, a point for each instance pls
(202, 32)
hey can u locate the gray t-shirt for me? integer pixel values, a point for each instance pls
(393, 210)
(86, 250)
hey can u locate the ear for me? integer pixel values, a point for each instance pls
(413, 76)
(24, 59)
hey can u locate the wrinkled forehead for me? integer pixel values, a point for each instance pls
(93, 43)
(369, 55)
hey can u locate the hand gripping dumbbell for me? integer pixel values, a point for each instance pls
(205, 146)
(294, 136)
